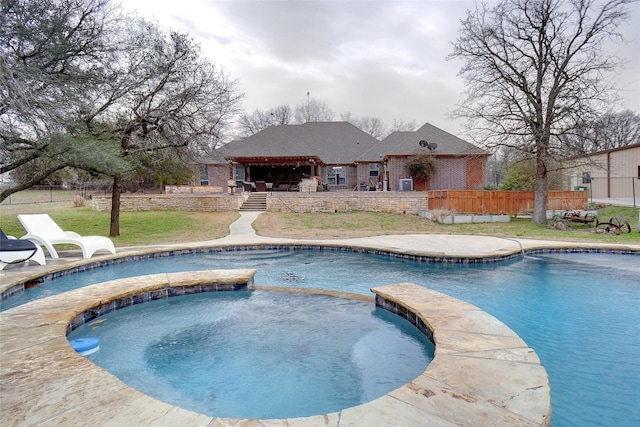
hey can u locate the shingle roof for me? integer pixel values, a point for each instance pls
(332, 142)
(407, 143)
(217, 156)
(339, 143)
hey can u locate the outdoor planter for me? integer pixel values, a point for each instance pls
(466, 218)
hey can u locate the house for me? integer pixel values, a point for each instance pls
(339, 156)
(459, 164)
(613, 173)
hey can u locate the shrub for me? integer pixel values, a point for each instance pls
(489, 187)
(420, 165)
(78, 201)
(521, 176)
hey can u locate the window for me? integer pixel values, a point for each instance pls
(573, 181)
(239, 176)
(586, 177)
(335, 175)
(638, 171)
(204, 175)
(374, 170)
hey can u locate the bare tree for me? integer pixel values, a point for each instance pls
(48, 59)
(162, 96)
(371, 125)
(83, 87)
(403, 126)
(612, 130)
(616, 130)
(313, 111)
(535, 71)
(250, 124)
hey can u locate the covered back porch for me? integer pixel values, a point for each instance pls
(274, 173)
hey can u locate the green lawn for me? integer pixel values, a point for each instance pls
(159, 227)
(136, 228)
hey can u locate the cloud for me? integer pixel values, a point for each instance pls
(367, 58)
(384, 59)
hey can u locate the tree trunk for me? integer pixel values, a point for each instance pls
(114, 229)
(540, 198)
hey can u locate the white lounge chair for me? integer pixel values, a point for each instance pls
(42, 230)
(14, 251)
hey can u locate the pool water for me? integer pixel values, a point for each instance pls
(579, 312)
(259, 354)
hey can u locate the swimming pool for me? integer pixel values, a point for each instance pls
(259, 354)
(578, 311)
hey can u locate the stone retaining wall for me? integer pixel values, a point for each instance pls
(378, 201)
(193, 189)
(171, 202)
(344, 201)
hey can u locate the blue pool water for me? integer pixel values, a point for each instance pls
(259, 354)
(579, 312)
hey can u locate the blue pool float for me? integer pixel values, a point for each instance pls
(85, 346)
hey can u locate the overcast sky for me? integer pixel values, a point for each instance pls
(384, 59)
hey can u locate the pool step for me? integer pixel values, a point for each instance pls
(255, 202)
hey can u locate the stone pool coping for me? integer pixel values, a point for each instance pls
(482, 373)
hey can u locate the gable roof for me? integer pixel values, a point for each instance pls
(338, 143)
(330, 142)
(407, 143)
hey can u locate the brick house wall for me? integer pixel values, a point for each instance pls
(219, 175)
(395, 168)
(452, 173)
(364, 175)
(475, 172)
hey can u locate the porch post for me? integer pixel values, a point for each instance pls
(385, 181)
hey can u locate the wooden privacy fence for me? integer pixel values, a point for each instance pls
(502, 202)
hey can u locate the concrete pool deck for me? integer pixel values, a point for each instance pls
(483, 373)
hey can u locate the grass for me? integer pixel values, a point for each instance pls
(336, 225)
(362, 224)
(136, 228)
(161, 227)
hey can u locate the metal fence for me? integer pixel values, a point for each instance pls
(66, 193)
(626, 188)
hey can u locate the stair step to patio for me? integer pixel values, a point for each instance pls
(255, 202)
